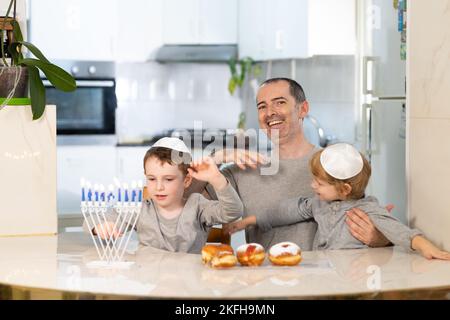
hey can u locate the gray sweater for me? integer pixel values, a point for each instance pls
(189, 231)
(264, 192)
(333, 232)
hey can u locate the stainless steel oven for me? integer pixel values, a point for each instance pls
(91, 108)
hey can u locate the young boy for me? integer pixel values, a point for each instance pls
(167, 220)
(340, 176)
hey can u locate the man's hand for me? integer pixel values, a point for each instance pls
(242, 158)
(363, 229)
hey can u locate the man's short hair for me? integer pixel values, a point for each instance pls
(295, 88)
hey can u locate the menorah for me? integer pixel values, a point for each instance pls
(110, 218)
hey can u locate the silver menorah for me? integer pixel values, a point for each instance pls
(101, 212)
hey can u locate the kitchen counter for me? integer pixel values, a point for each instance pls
(59, 267)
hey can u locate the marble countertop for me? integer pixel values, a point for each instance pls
(63, 264)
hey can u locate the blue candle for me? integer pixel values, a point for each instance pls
(102, 196)
(83, 195)
(140, 190)
(126, 195)
(119, 195)
(89, 194)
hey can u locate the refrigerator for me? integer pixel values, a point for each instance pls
(381, 101)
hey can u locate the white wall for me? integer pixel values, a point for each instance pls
(428, 120)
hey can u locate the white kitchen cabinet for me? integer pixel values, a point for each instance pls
(74, 29)
(130, 163)
(200, 21)
(139, 26)
(95, 163)
(287, 29)
(332, 27)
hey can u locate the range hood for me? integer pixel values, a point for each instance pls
(196, 53)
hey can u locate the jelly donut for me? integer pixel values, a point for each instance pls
(251, 254)
(285, 254)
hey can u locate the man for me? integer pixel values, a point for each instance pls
(282, 106)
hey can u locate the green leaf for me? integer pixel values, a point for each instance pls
(232, 85)
(14, 50)
(34, 50)
(37, 92)
(242, 120)
(17, 32)
(57, 76)
(232, 65)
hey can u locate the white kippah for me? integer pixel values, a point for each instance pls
(172, 143)
(341, 161)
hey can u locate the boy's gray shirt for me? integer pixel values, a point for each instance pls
(194, 222)
(332, 231)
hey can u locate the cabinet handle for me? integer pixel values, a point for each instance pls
(368, 130)
(368, 74)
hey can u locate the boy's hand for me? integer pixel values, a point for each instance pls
(206, 170)
(428, 250)
(106, 231)
(234, 227)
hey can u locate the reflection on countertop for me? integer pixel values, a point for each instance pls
(63, 264)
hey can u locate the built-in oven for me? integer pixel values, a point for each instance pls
(91, 108)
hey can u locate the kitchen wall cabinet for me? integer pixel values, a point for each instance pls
(139, 26)
(199, 21)
(95, 163)
(75, 29)
(296, 28)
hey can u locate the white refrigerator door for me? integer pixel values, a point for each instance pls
(381, 45)
(388, 180)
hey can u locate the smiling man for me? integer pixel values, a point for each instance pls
(282, 106)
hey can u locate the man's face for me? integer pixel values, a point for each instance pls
(278, 110)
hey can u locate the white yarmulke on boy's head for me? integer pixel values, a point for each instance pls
(172, 143)
(341, 161)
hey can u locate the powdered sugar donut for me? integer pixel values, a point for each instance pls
(285, 254)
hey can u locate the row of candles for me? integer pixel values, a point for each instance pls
(122, 194)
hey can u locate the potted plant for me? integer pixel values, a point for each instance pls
(20, 74)
(247, 66)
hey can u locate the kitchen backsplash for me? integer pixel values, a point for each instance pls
(153, 97)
